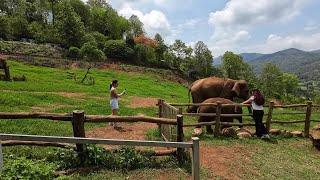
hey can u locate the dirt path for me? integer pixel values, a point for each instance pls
(219, 161)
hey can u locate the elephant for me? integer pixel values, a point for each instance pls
(212, 87)
(224, 110)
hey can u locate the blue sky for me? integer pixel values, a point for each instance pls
(263, 26)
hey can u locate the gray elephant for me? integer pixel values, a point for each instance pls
(212, 87)
(224, 110)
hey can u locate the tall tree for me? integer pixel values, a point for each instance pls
(98, 3)
(290, 82)
(160, 48)
(203, 59)
(232, 65)
(82, 10)
(136, 26)
(271, 79)
(182, 55)
(69, 25)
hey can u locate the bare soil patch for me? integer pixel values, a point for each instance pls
(222, 161)
(47, 108)
(140, 102)
(70, 94)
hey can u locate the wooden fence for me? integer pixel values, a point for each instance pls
(78, 118)
(269, 115)
(81, 141)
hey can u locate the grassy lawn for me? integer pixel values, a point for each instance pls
(49, 90)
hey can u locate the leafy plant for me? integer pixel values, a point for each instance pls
(22, 168)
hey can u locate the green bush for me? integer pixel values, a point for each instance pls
(22, 168)
(100, 39)
(126, 158)
(4, 27)
(118, 49)
(145, 55)
(91, 53)
(74, 52)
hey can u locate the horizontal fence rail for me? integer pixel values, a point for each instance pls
(26, 115)
(88, 118)
(217, 115)
(194, 145)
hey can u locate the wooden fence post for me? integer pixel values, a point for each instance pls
(180, 151)
(78, 130)
(217, 131)
(160, 105)
(6, 71)
(308, 117)
(160, 112)
(195, 159)
(1, 158)
(269, 117)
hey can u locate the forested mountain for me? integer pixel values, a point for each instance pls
(305, 64)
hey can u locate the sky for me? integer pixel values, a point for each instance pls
(261, 26)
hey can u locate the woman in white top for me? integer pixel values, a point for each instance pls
(114, 103)
(257, 101)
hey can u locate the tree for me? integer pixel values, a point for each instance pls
(290, 83)
(203, 59)
(82, 10)
(53, 3)
(69, 25)
(4, 27)
(232, 65)
(98, 3)
(136, 26)
(271, 81)
(160, 48)
(182, 56)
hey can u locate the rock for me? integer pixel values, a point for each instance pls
(239, 130)
(296, 133)
(197, 132)
(229, 132)
(243, 135)
(275, 131)
(285, 133)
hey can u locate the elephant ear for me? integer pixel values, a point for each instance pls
(236, 88)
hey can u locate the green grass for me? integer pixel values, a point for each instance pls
(48, 89)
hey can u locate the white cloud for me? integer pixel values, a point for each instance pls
(154, 22)
(275, 43)
(233, 23)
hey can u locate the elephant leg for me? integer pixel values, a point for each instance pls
(240, 121)
(209, 129)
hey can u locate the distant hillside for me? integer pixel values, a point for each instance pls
(305, 64)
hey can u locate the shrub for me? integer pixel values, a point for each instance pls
(90, 52)
(126, 158)
(100, 39)
(22, 168)
(145, 55)
(118, 49)
(74, 52)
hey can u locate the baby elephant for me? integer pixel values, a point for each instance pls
(224, 110)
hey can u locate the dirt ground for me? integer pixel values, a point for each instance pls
(219, 161)
(140, 102)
